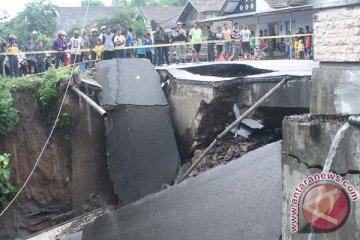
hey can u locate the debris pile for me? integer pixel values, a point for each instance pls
(231, 148)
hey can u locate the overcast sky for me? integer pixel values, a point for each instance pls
(16, 6)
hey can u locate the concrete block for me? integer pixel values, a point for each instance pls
(335, 90)
(142, 150)
(308, 139)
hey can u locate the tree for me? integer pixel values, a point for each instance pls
(92, 3)
(38, 17)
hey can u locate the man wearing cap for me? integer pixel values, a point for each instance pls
(101, 36)
(180, 39)
(59, 45)
(75, 44)
(92, 41)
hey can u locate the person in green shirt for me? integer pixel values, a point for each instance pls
(196, 37)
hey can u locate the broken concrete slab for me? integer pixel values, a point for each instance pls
(335, 89)
(202, 106)
(142, 151)
(129, 81)
(141, 144)
(241, 200)
(308, 139)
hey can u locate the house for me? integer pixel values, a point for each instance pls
(276, 17)
(68, 17)
(165, 16)
(196, 10)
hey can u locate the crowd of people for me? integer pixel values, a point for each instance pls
(226, 43)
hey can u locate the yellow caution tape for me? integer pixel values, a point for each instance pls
(77, 51)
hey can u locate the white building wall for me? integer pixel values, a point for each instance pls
(262, 5)
(298, 19)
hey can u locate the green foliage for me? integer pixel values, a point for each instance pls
(9, 116)
(7, 191)
(139, 27)
(64, 125)
(92, 3)
(37, 17)
(48, 92)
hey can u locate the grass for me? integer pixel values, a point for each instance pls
(34, 80)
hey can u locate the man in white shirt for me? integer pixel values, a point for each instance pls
(75, 44)
(245, 38)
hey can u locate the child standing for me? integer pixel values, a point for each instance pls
(141, 51)
(296, 48)
(291, 48)
(99, 48)
(301, 49)
(40, 57)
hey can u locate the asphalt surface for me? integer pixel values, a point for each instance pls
(238, 201)
(129, 82)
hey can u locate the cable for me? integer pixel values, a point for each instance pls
(52, 130)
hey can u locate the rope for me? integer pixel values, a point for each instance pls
(50, 135)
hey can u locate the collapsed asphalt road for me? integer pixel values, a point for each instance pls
(241, 200)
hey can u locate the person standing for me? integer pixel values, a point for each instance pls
(179, 39)
(103, 31)
(219, 44)
(308, 43)
(108, 40)
(236, 45)
(148, 50)
(99, 48)
(196, 38)
(245, 34)
(2, 55)
(226, 33)
(31, 58)
(141, 50)
(93, 39)
(40, 57)
(60, 45)
(158, 40)
(301, 49)
(119, 41)
(211, 46)
(166, 49)
(85, 46)
(75, 45)
(12, 51)
(129, 43)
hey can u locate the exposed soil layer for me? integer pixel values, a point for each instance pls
(71, 169)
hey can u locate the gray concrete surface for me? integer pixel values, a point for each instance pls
(124, 81)
(279, 68)
(238, 201)
(142, 151)
(335, 90)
